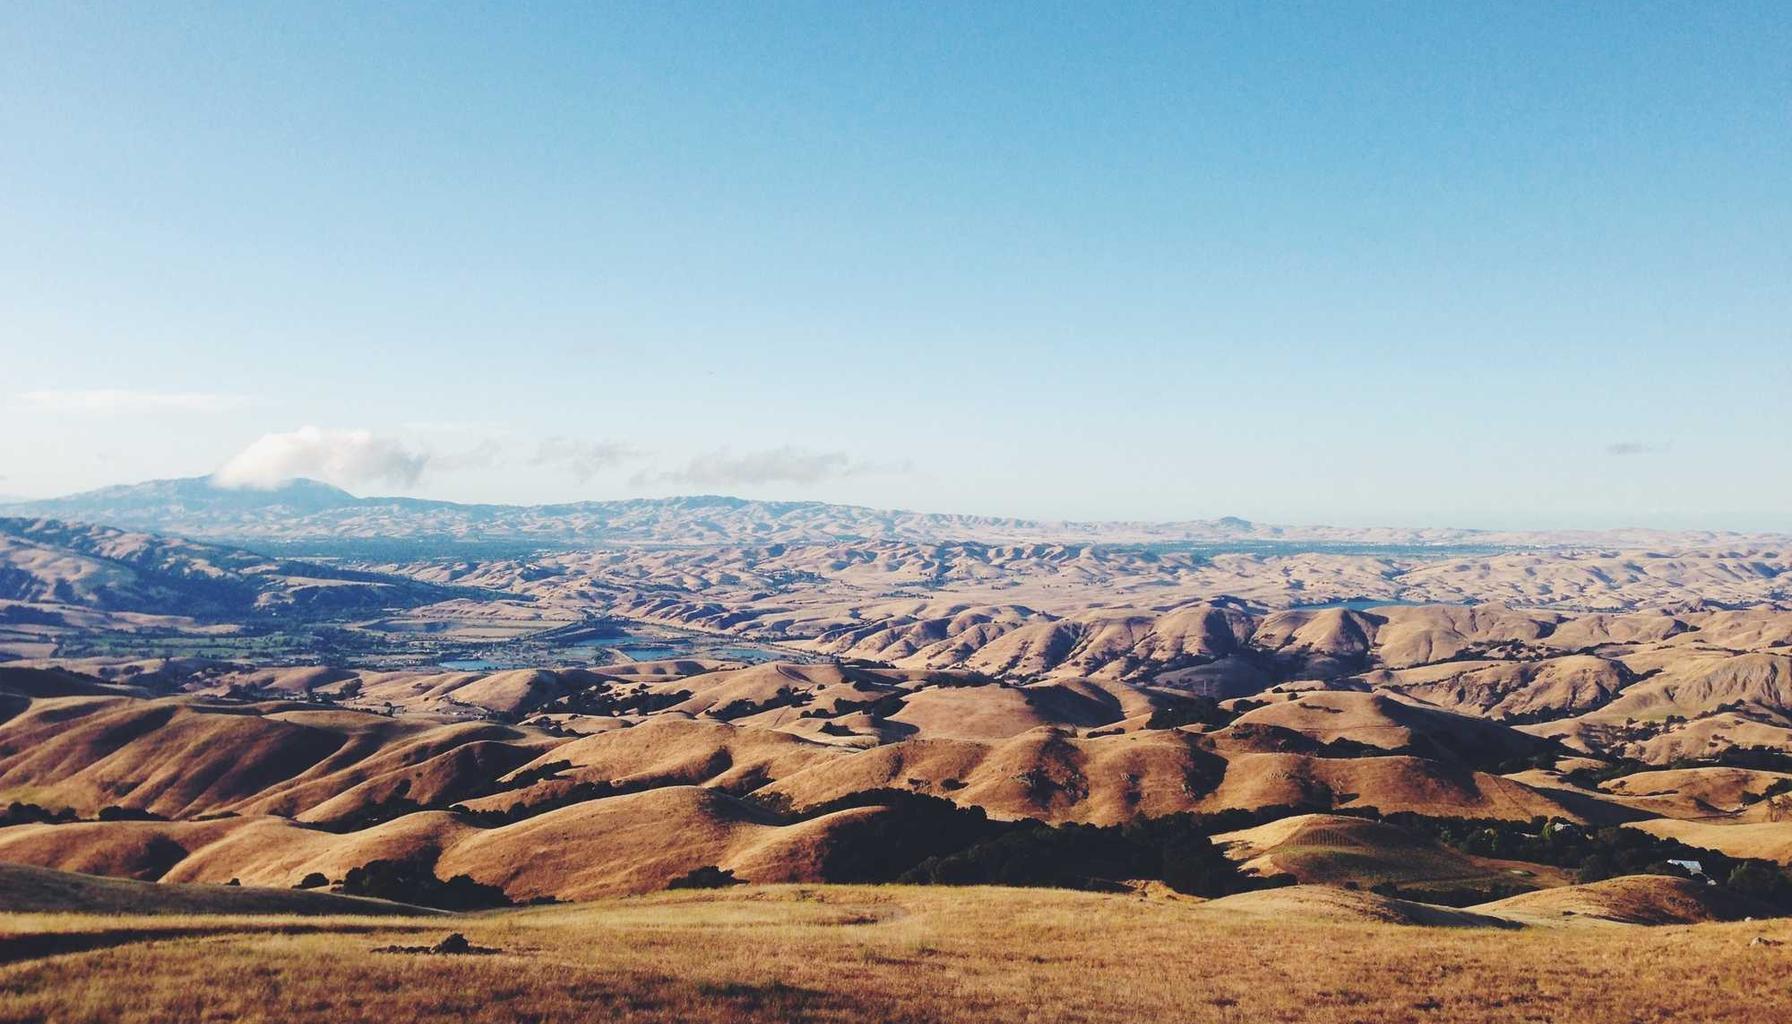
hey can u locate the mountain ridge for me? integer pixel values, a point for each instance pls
(304, 510)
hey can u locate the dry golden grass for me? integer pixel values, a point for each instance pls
(1330, 849)
(826, 953)
(1768, 840)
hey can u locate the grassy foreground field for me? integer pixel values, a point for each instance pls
(839, 953)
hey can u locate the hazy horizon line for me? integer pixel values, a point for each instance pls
(1045, 521)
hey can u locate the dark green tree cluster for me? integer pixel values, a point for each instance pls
(417, 884)
(924, 840)
(1595, 854)
(912, 828)
(786, 697)
(17, 813)
(1173, 849)
(604, 700)
(1176, 712)
(1766, 759)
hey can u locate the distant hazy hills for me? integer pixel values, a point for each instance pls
(306, 511)
(52, 563)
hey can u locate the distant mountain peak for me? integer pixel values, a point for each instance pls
(299, 495)
(298, 486)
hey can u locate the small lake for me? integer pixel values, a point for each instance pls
(1359, 605)
(721, 652)
(632, 649)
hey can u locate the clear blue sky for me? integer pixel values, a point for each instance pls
(1494, 265)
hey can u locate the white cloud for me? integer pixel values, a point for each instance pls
(342, 457)
(785, 465)
(123, 400)
(583, 459)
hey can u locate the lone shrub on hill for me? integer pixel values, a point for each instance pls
(706, 877)
(315, 880)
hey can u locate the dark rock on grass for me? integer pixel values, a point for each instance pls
(455, 944)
